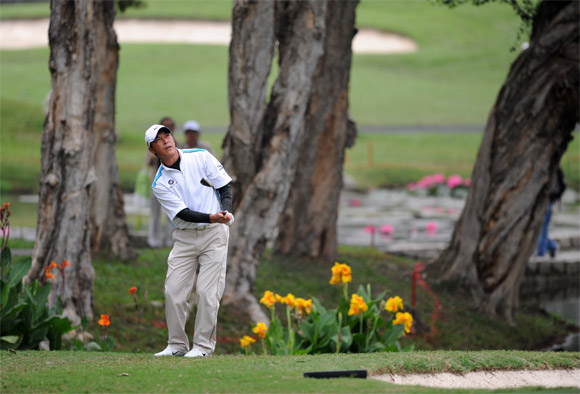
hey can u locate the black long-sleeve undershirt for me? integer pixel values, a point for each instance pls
(225, 194)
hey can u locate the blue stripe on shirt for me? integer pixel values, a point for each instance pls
(157, 176)
(192, 150)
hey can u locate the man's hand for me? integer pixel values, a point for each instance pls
(221, 217)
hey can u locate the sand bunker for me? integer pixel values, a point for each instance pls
(23, 34)
(489, 380)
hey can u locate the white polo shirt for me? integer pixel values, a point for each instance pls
(179, 189)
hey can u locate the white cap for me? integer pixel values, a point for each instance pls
(152, 132)
(191, 125)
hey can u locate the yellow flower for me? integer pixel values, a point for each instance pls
(278, 297)
(246, 341)
(404, 318)
(357, 305)
(260, 330)
(304, 306)
(289, 300)
(269, 299)
(341, 273)
(394, 304)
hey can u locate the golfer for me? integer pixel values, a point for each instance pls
(200, 237)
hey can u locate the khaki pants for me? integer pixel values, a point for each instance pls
(207, 248)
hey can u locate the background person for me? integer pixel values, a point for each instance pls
(192, 132)
(200, 238)
(544, 242)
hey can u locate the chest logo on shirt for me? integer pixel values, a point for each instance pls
(171, 182)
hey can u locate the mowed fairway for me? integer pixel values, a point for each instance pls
(139, 373)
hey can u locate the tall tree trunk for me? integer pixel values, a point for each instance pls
(528, 131)
(109, 232)
(250, 62)
(299, 28)
(80, 32)
(308, 223)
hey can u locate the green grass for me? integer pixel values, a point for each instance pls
(458, 327)
(453, 79)
(130, 373)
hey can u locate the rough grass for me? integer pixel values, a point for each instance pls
(133, 373)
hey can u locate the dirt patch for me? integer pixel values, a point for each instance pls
(23, 34)
(489, 379)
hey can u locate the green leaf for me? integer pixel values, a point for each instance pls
(18, 270)
(4, 293)
(391, 336)
(318, 308)
(11, 339)
(5, 256)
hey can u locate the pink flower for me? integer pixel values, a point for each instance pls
(411, 186)
(387, 229)
(355, 202)
(426, 182)
(370, 229)
(451, 211)
(438, 178)
(431, 228)
(454, 181)
(467, 182)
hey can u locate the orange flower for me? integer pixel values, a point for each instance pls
(132, 290)
(289, 300)
(269, 299)
(104, 321)
(394, 304)
(304, 306)
(341, 273)
(63, 265)
(357, 305)
(404, 318)
(6, 205)
(246, 341)
(49, 268)
(261, 329)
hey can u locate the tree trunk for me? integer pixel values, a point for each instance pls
(308, 223)
(80, 32)
(250, 62)
(109, 232)
(527, 133)
(299, 29)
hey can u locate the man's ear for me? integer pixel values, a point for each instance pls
(152, 151)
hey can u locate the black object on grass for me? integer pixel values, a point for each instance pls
(357, 373)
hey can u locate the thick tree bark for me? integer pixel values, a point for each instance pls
(528, 131)
(308, 223)
(299, 29)
(109, 232)
(80, 34)
(251, 52)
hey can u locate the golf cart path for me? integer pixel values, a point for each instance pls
(25, 34)
(489, 379)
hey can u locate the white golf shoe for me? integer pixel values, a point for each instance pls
(197, 353)
(169, 351)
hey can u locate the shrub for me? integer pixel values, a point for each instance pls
(25, 318)
(358, 324)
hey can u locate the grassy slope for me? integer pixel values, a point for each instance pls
(90, 372)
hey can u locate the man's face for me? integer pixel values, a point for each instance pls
(163, 145)
(191, 138)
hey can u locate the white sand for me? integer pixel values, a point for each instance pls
(34, 34)
(489, 380)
